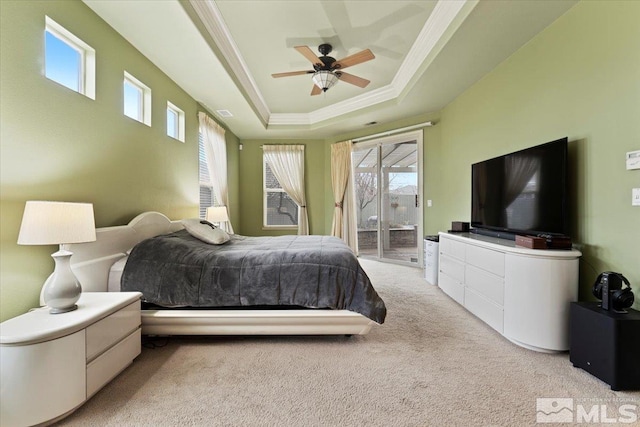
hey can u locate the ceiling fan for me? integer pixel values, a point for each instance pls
(327, 71)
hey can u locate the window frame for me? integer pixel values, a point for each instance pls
(144, 109)
(265, 193)
(179, 122)
(87, 71)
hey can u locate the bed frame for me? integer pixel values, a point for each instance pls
(92, 261)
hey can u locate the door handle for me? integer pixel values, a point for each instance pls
(417, 202)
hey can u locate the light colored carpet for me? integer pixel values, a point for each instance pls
(431, 364)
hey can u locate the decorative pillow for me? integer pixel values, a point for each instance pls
(205, 231)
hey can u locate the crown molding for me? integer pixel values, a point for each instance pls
(359, 102)
(211, 18)
(444, 14)
(436, 30)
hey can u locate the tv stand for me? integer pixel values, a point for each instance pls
(522, 293)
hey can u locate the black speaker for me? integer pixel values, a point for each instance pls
(614, 290)
(606, 344)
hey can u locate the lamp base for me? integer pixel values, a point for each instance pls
(63, 290)
(63, 310)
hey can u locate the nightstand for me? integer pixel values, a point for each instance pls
(50, 364)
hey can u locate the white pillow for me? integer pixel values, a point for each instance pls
(204, 231)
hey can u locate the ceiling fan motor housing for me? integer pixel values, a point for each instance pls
(327, 61)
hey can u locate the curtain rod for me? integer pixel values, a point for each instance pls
(392, 132)
(261, 146)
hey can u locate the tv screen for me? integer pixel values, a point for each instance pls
(522, 193)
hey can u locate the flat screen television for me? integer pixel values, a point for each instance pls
(524, 192)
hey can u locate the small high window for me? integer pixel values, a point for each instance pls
(68, 60)
(175, 122)
(137, 99)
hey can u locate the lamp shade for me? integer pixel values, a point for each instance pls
(324, 79)
(52, 223)
(217, 214)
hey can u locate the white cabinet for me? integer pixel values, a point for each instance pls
(41, 381)
(431, 261)
(51, 364)
(522, 293)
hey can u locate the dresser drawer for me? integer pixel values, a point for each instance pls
(452, 248)
(451, 267)
(106, 366)
(451, 287)
(486, 284)
(111, 329)
(487, 311)
(486, 259)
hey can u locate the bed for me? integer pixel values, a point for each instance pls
(95, 263)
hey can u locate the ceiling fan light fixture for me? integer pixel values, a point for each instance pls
(325, 79)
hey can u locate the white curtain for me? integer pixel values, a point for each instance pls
(215, 148)
(344, 213)
(287, 164)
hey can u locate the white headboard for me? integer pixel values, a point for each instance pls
(92, 261)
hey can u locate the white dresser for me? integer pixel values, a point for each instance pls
(51, 364)
(522, 293)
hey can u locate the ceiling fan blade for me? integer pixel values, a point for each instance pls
(308, 53)
(354, 80)
(316, 90)
(291, 73)
(355, 59)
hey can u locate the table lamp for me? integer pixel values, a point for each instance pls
(49, 223)
(217, 214)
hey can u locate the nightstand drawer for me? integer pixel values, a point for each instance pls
(112, 362)
(111, 329)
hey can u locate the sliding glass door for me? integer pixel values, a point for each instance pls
(388, 193)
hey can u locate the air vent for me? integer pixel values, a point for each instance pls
(224, 113)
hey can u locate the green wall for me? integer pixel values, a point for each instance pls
(579, 78)
(250, 192)
(318, 178)
(59, 145)
(431, 165)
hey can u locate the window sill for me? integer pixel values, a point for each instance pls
(279, 227)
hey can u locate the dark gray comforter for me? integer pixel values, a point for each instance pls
(309, 271)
